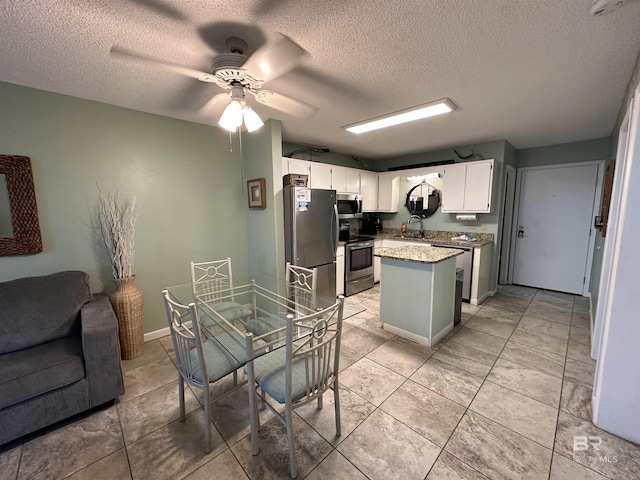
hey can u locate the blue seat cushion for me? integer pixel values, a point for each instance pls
(230, 311)
(36, 370)
(261, 325)
(270, 374)
(222, 354)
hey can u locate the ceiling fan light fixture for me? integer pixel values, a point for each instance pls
(419, 112)
(232, 116)
(251, 119)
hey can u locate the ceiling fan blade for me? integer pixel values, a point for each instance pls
(215, 106)
(127, 54)
(274, 59)
(285, 104)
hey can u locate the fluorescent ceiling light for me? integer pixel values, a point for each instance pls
(409, 115)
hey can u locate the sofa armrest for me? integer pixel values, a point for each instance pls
(101, 349)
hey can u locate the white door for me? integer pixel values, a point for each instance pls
(554, 223)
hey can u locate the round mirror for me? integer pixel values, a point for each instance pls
(423, 200)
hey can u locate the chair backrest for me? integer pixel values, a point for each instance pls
(301, 283)
(314, 340)
(211, 277)
(185, 338)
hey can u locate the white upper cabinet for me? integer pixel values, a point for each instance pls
(320, 175)
(467, 187)
(369, 191)
(298, 166)
(352, 180)
(338, 178)
(388, 189)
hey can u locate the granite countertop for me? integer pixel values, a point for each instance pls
(439, 237)
(418, 253)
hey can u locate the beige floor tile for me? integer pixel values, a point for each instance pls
(522, 414)
(448, 467)
(580, 352)
(409, 404)
(112, 466)
(546, 311)
(563, 468)
(628, 454)
(491, 326)
(353, 411)
(397, 358)
(581, 335)
(576, 400)
(157, 408)
(224, 466)
(468, 359)
(185, 440)
(361, 340)
(544, 326)
(336, 467)
(382, 447)
(273, 460)
(527, 381)
(531, 357)
(152, 351)
(371, 380)
(480, 341)
(534, 339)
(9, 463)
(147, 377)
(504, 313)
(580, 373)
(498, 452)
(71, 448)
(448, 381)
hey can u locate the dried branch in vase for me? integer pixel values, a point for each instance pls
(118, 225)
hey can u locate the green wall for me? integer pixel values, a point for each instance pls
(585, 151)
(191, 199)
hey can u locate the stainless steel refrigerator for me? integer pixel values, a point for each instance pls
(311, 233)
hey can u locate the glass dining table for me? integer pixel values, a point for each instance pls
(249, 318)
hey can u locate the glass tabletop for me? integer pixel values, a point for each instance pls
(248, 317)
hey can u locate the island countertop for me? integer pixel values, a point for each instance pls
(418, 254)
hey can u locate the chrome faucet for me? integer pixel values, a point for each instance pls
(421, 231)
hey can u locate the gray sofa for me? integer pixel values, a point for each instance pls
(59, 351)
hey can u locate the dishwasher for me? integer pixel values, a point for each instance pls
(464, 261)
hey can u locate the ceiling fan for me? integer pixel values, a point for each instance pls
(243, 76)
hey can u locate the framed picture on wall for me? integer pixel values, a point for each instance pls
(257, 192)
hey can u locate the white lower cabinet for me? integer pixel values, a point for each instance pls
(340, 270)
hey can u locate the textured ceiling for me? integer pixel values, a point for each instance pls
(535, 72)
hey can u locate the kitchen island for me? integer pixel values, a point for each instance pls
(417, 292)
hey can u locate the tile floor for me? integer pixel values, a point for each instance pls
(502, 396)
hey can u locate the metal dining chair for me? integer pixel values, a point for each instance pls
(301, 285)
(201, 362)
(213, 281)
(300, 372)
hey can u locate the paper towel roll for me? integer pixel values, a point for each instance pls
(469, 217)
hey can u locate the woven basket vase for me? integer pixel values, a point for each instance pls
(127, 302)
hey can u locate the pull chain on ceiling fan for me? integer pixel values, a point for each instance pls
(240, 74)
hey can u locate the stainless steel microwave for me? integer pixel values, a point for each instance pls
(349, 205)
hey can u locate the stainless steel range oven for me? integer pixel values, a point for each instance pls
(358, 260)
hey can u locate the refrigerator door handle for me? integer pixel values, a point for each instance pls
(336, 226)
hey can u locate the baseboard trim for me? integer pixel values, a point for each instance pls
(163, 332)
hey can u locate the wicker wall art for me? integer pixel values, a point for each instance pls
(24, 210)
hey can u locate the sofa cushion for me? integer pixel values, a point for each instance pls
(36, 370)
(36, 310)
